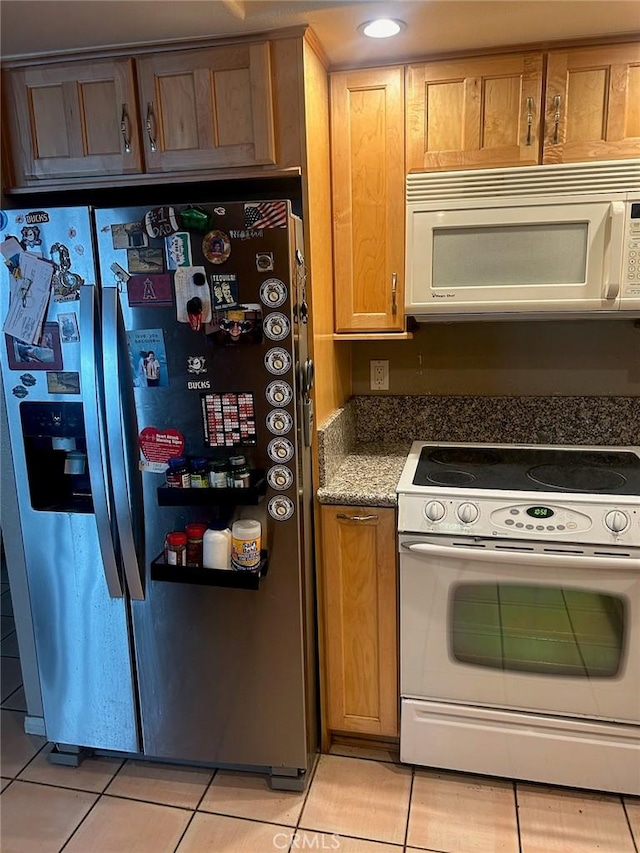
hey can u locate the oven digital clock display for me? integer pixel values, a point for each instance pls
(540, 512)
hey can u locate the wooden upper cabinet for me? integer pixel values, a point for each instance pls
(368, 177)
(359, 587)
(473, 113)
(72, 119)
(209, 108)
(593, 104)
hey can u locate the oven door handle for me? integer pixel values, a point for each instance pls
(526, 558)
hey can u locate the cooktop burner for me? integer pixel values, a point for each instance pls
(530, 469)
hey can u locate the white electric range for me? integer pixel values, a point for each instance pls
(520, 612)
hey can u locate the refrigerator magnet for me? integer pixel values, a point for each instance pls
(19, 391)
(193, 297)
(148, 291)
(69, 332)
(216, 247)
(158, 446)
(178, 250)
(161, 222)
(28, 379)
(66, 284)
(63, 382)
(264, 261)
(195, 219)
(128, 235)
(145, 260)
(120, 274)
(31, 237)
(266, 214)
(224, 288)
(148, 358)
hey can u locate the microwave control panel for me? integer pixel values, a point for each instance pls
(631, 254)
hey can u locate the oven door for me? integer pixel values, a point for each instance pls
(511, 625)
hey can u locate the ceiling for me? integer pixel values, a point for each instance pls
(433, 26)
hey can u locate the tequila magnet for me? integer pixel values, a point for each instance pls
(224, 289)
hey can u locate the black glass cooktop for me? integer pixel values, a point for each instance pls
(596, 472)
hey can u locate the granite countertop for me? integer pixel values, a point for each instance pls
(368, 476)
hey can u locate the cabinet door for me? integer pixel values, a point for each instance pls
(360, 620)
(593, 104)
(367, 173)
(73, 119)
(474, 113)
(208, 108)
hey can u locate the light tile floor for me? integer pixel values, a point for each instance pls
(357, 802)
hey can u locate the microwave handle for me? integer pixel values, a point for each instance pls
(616, 236)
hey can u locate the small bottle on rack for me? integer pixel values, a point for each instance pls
(175, 549)
(195, 533)
(177, 475)
(216, 549)
(238, 476)
(218, 474)
(199, 473)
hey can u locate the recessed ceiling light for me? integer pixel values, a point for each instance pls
(381, 28)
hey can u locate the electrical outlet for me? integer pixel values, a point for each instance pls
(379, 374)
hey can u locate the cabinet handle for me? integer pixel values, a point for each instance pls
(394, 293)
(556, 118)
(529, 119)
(125, 129)
(150, 126)
(345, 517)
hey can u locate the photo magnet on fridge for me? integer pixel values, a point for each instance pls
(148, 358)
(69, 332)
(128, 235)
(146, 260)
(46, 354)
(63, 382)
(216, 247)
(148, 291)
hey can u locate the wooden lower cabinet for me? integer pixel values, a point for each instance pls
(359, 594)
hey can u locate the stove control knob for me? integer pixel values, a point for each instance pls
(616, 521)
(434, 511)
(467, 513)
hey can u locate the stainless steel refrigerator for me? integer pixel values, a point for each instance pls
(178, 330)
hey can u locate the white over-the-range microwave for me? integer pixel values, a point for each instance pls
(538, 241)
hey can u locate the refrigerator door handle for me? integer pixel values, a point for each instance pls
(92, 420)
(115, 441)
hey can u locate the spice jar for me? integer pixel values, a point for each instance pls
(218, 474)
(177, 475)
(238, 476)
(195, 532)
(199, 473)
(175, 549)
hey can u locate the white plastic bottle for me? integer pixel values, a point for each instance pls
(216, 549)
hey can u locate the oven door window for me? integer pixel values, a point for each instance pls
(538, 629)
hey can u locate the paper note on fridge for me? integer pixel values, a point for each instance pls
(30, 293)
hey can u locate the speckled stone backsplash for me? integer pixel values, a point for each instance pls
(336, 438)
(522, 420)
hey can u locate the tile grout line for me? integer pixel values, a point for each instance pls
(195, 810)
(406, 829)
(626, 814)
(6, 699)
(517, 808)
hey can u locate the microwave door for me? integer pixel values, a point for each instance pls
(520, 256)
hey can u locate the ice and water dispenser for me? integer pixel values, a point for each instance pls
(56, 454)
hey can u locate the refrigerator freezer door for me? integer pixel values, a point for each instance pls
(81, 632)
